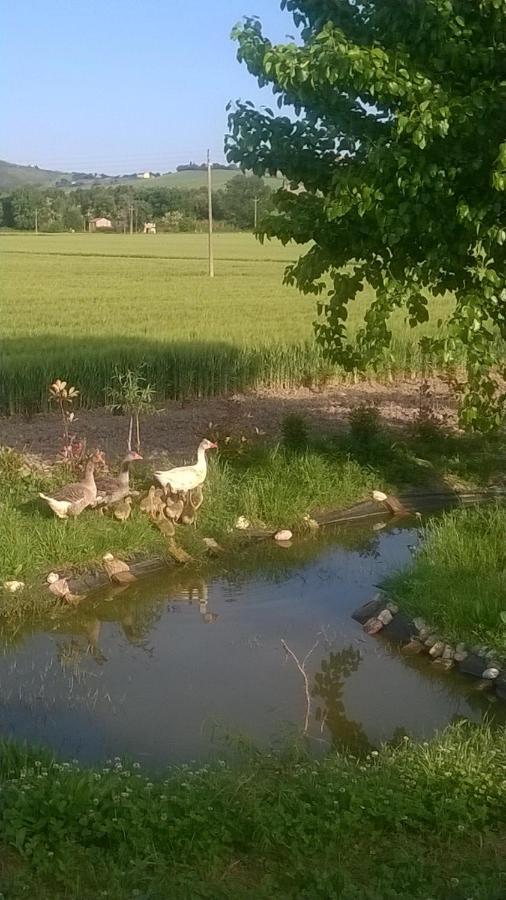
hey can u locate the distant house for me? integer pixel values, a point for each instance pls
(144, 175)
(149, 228)
(100, 224)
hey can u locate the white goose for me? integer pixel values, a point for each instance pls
(187, 478)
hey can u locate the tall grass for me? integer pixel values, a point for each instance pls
(457, 580)
(77, 306)
(414, 822)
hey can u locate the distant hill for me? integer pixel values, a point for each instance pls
(13, 176)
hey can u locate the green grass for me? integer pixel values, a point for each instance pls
(76, 306)
(416, 821)
(266, 485)
(457, 581)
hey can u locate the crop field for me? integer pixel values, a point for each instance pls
(77, 306)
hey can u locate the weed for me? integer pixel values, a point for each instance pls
(413, 821)
(294, 433)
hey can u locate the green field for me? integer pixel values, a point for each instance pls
(75, 306)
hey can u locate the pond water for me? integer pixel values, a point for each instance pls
(167, 669)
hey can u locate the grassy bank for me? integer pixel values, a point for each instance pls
(267, 485)
(78, 305)
(457, 579)
(416, 821)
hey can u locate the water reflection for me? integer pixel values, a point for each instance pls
(138, 670)
(328, 687)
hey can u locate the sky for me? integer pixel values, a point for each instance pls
(121, 86)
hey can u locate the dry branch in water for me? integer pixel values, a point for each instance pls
(302, 669)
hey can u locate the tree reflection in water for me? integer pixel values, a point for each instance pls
(330, 713)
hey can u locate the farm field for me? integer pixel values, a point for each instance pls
(76, 306)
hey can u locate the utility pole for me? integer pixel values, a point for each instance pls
(131, 210)
(210, 210)
(36, 221)
(255, 219)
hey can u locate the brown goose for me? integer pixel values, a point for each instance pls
(71, 499)
(111, 488)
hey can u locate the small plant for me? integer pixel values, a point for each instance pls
(63, 398)
(427, 424)
(294, 432)
(365, 427)
(131, 393)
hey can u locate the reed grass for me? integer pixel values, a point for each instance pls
(78, 306)
(413, 821)
(457, 581)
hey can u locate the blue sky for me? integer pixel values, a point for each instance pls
(122, 85)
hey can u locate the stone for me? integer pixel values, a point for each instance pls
(392, 607)
(419, 623)
(242, 523)
(284, 544)
(13, 586)
(385, 616)
(461, 648)
(471, 665)
(460, 655)
(369, 609)
(284, 535)
(484, 685)
(437, 649)
(424, 633)
(372, 626)
(448, 652)
(400, 628)
(431, 640)
(413, 647)
(441, 663)
(500, 686)
(212, 546)
(491, 673)
(52, 577)
(491, 655)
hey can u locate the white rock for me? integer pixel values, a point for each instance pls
(13, 586)
(460, 655)
(379, 496)
(52, 577)
(284, 535)
(385, 616)
(437, 649)
(490, 673)
(394, 609)
(419, 624)
(242, 523)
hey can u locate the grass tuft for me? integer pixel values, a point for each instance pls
(457, 580)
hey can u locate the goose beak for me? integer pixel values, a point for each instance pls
(213, 446)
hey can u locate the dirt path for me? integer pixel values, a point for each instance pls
(177, 429)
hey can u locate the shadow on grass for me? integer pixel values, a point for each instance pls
(177, 369)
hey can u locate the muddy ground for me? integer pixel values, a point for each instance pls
(176, 430)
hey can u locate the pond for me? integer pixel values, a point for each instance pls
(176, 667)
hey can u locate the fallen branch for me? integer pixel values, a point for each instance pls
(302, 669)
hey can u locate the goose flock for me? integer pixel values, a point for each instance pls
(178, 484)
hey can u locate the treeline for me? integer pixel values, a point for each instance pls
(171, 208)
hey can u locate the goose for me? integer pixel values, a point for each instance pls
(71, 499)
(111, 488)
(187, 478)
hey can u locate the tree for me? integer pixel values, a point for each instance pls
(23, 204)
(239, 198)
(397, 145)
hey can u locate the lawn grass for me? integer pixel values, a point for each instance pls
(76, 306)
(457, 581)
(415, 821)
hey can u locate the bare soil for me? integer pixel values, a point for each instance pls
(175, 430)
